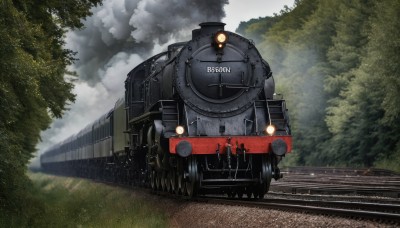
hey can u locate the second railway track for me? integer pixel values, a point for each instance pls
(374, 211)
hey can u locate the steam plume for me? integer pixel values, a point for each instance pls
(118, 36)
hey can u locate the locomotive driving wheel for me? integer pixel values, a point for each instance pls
(167, 181)
(153, 179)
(163, 176)
(265, 177)
(173, 181)
(158, 180)
(192, 184)
(181, 184)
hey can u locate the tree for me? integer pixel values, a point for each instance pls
(337, 64)
(33, 88)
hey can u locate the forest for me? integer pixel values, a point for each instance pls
(337, 65)
(335, 61)
(33, 91)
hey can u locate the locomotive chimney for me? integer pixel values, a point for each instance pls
(208, 28)
(195, 33)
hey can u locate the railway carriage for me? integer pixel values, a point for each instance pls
(198, 118)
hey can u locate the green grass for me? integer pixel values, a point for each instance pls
(70, 202)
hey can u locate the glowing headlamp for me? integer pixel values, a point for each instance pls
(180, 130)
(220, 39)
(270, 129)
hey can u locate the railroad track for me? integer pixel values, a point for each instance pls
(349, 198)
(373, 211)
(321, 188)
(318, 185)
(340, 171)
(388, 212)
(330, 181)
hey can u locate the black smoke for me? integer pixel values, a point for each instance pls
(136, 27)
(119, 35)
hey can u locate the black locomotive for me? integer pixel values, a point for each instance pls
(198, 118)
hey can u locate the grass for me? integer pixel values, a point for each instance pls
(70, 202)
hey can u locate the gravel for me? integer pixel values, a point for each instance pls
(205, 215)
(185, 213)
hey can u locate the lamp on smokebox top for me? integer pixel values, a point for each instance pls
(220, 39)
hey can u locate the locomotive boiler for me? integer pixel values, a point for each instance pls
(198, 118)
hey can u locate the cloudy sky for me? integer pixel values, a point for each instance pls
(123, 33)
(244, 10)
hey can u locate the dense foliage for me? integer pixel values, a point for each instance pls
(337, 63)
(33, 89)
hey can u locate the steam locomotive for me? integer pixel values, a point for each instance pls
(199, 118)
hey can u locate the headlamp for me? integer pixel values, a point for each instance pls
(220, 39)
(270, 129)
(180, 130)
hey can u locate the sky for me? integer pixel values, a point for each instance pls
(244, 10)
(122, 34)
